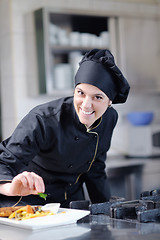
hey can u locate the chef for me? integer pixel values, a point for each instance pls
(62, 144)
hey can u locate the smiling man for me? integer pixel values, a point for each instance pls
(62, 144)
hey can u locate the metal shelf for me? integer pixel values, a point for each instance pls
(49, 54)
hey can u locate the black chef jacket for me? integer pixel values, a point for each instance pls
(51, 141)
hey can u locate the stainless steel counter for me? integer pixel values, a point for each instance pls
(97, 227)
(125, 176)
(134, 175)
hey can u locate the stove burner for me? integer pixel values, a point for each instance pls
(146, 209)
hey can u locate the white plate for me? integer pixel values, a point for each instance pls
(70, 231)
(54, 207)
(63, 217)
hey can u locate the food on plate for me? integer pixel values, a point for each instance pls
(28, 212)
(7, 211)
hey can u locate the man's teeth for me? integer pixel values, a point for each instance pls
(87, 112)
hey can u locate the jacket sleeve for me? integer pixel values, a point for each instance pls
(22, 146)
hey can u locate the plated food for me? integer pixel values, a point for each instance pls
(28, 211)
(6, 211)
(60, 217)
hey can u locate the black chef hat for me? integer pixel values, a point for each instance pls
(98, 68)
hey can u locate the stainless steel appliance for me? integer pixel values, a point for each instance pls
(145, 209)
(144, 141)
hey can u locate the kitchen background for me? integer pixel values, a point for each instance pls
(40, 40)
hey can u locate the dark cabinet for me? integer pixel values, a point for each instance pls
(61, 41)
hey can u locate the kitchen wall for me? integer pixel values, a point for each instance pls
(18, 66)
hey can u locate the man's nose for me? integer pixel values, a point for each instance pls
(87, 102)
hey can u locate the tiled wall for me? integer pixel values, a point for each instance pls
(19, 76)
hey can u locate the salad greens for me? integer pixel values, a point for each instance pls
(43, 195)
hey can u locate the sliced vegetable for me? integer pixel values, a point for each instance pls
(28, 212)
(29, 209)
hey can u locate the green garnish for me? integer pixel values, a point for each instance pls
(43, 195)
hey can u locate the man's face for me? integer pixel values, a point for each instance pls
(90, 103)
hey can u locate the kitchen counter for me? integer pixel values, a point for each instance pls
(131, 176)
(125, 176)
(121, 161)
(96, 227)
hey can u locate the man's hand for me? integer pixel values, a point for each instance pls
(23, 184)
